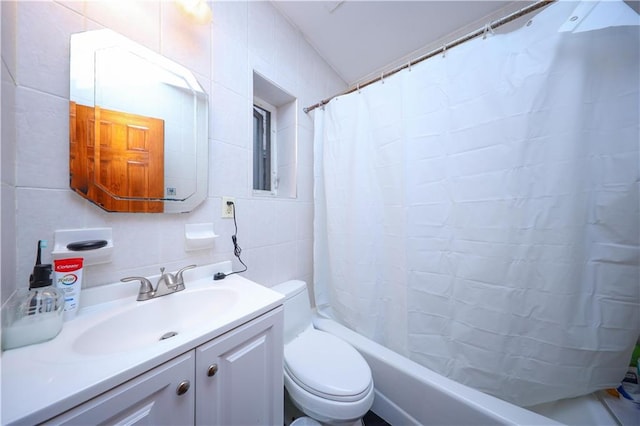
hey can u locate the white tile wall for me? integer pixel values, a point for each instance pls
(275, 234)
(7, 130)
(8, 127)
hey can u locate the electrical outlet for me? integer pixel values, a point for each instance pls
(227, 210)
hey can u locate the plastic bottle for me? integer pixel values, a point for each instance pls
(68, 278)
(33, 315)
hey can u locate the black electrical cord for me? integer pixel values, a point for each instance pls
(236, 247)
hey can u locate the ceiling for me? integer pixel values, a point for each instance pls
(360, 39)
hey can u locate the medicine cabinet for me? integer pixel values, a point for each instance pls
(138, 127)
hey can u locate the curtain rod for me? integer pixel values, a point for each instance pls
(489, 27)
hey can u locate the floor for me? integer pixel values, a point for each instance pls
(291, 413)
(371, 419)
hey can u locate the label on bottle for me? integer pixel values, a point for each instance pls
(68, 278)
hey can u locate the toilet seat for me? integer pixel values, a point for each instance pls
(327, 367)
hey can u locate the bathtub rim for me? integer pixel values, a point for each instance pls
(497, 410)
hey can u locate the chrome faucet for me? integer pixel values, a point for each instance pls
(167, 284)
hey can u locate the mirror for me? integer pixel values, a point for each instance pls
(138, 127)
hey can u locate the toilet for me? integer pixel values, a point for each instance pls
(325, 377)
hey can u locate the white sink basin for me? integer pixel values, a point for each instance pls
(150, 322)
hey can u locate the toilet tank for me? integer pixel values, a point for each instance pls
(297, 308)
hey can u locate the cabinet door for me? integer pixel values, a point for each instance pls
(150, 399)
(239, 375)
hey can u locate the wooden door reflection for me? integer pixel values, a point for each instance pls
(116, 156)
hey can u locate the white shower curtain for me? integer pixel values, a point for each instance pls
(479, 214)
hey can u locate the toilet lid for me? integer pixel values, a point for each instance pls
(327, 366)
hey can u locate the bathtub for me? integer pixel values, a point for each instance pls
(407, 393)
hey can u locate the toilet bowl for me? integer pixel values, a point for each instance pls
(325, 377)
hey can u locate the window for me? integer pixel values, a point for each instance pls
(274, 159)
(264, 176)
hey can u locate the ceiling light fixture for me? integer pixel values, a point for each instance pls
(199, 10)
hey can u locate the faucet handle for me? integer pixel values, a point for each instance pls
(179, 273)
(179, 278)
(146, 288)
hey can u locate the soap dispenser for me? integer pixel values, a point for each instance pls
(33, 315)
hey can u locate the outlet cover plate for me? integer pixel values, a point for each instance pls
(227, 211)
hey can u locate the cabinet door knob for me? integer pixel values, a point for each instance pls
(212, 370)
(183, 387)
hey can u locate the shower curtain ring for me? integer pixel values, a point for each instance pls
(358, 87)
(409, 65)
(444, 50)
(487, 29)
(382, 77)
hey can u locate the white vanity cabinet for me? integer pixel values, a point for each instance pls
(239, 378)
(234, 379)
(162, 396)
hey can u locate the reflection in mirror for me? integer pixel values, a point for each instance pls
(138, 138)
